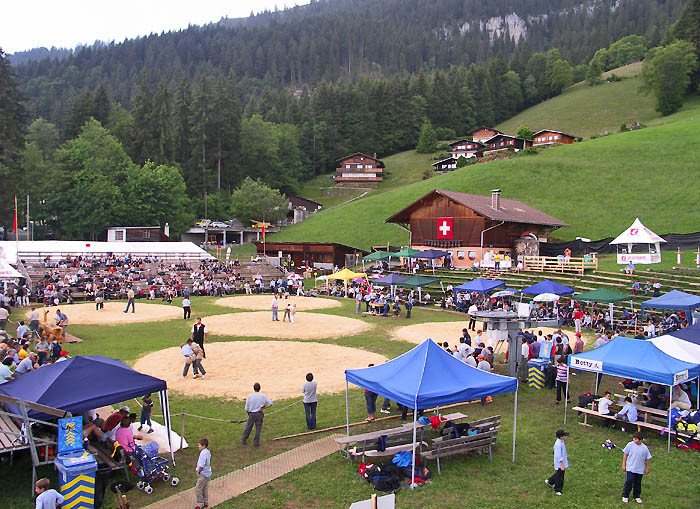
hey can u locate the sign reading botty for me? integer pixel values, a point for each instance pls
(590, 365)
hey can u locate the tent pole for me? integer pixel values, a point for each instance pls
(515, 419)
(670, 402)
(413, 459)
(347, 409)
(568, 381)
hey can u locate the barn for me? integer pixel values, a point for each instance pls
(474, 227)
(319, 255)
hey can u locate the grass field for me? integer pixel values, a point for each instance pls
(583, 110)
(598, 187)
(594, 477)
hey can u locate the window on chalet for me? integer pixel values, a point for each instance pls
(147, 234)
(556, 137)
(119, 235)
(347, 166)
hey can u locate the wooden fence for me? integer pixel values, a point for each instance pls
(560, 263)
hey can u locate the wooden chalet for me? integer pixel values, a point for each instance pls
(359, 169)
(445, 165)
(467, 148)
(505, 142)
(299, 208)
(473, 227)
(550, 137)
(137, 234)
(483, 133)
(319, 255)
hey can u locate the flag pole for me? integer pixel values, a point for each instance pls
(16, 233)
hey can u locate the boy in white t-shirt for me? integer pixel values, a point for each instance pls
(604, 407)
(203, 470)
(46, 498)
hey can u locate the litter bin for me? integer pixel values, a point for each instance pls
(76, 478)
(536, 369)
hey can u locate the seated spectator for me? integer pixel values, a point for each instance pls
(681, 401)
(656, 397)
(28, 364)
(110, 425)
(628, 412)
(5, 371)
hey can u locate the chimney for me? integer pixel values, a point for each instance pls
(496, 199)
(374, 156)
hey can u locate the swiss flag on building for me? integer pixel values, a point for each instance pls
(444, 228)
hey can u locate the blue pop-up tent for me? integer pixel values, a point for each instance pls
(676, 300)
(428, 376)
(690, 333)
(547, 286)
(636, 359)
(479, 285)
(83, 383)
(390, 280)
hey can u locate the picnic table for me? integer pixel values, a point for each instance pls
(366, 442)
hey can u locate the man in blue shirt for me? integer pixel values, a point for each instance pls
(635, 463)
(628, 412)
(561, 463)
(255, 404)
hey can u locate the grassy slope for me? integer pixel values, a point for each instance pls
(598, 187)
(583, 110)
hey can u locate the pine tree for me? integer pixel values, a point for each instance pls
(427, 141)
(145, 123)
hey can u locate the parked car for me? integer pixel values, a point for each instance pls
(218, 224)
(203, 222)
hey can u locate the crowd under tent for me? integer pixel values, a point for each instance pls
(430, 254)
(638, 244)
(419, 282)
(55, 250)
(675, 300)
(604, 296)
(636, 359)
(427, 376)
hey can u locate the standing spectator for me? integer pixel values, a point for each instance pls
(146, 410)
(22, 330)
(657, 288)
(522, 365)
(578, 319)
(130, 301)
(274, 308)
(62, 321)
(203, 470)
(42, 349)
(255, 405)
(186, 308)
(310, 401)
(635, 463)
(562, 378)
(199, 335)
(561, 463)
(34, 321)
(370, 402)
(47, 498)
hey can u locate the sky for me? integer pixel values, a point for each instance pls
(26, 24)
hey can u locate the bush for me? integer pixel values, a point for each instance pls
(529, 151)
(445, 133)
(579, 139)
(462, 162)
(594, 136)
(623, 128)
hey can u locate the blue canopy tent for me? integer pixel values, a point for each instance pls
(636, 359)
(676, 300)
(431, 254)
(691, 334)
(547, 286)
(390, 280)
(86, 382)
(427, 376)
(479, 285)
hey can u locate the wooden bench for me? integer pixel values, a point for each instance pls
(446, 445)
(10, 435)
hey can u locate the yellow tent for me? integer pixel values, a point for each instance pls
(346, 274)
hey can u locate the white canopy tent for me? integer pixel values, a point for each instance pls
(648, 242)
(8, 272)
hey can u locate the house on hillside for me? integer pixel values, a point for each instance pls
(138, 234)
(473, 227)
(466, 148)
(318, 255)
(300, 208)
(483, 133)
(550, 137)
(505, 142)
(445, 165)
(359, 169)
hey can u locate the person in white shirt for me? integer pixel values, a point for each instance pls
(203, 470)
(522, 365)
(472, 316)
(255, 404)
(47, 498)
(681, 400)
(471, 361)
(186, 308)
(187, 352)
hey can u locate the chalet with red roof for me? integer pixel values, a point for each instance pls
(551, 137)
(359, 169)
(474, 227)
(483, 133)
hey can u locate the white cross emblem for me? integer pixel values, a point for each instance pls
(444, 228)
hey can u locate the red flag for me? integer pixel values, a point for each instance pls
(15, 226)
(444, 228)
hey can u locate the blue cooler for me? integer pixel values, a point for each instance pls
(536, 368)
(76, 478)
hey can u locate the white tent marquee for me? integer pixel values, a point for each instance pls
(648, 245)
(7, 272)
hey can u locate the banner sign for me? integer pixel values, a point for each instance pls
(578, 362)
(70, 434)
(680, 377)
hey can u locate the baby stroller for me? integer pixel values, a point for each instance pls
(152, 467)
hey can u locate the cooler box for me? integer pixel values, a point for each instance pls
(535, 372)
(76, 478)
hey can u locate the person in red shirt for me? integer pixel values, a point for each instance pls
(109, 426)
(578, 318)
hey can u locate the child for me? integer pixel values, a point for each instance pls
(55, 349)
(628, 412)
(146, 413)
(561, 463)
(635, 463)
(203, 470)
(604, 407)
(46, 498)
